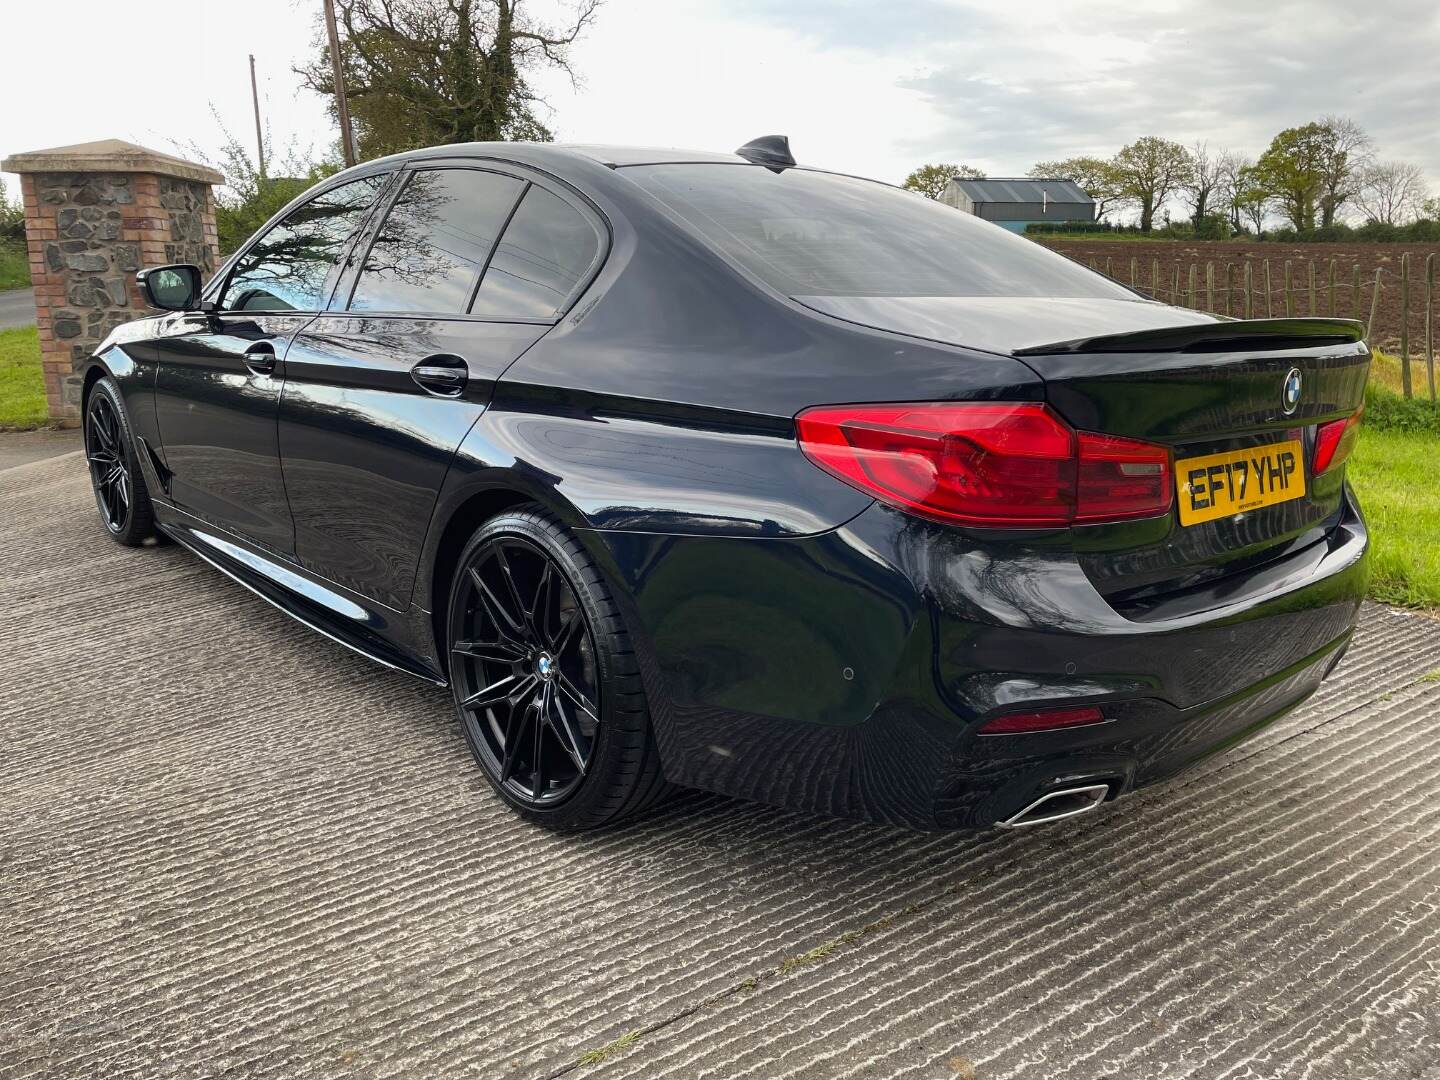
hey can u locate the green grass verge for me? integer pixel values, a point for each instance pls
(22, 386)
(1391, 471)
(14, 265)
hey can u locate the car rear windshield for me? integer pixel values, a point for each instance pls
(817, 234)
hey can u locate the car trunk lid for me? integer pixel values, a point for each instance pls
(1212, 390)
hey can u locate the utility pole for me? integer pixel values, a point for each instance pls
(342, 107)
(259, 138)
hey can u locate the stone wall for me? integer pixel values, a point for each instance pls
(88, 232)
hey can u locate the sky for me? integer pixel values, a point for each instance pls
(874, 88)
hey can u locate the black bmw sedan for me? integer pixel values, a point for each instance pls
(712, 470)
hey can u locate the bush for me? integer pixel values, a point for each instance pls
(1388, 411)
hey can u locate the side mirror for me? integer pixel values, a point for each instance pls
(171, 288)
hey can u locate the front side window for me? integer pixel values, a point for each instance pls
(816, 234)
(287, 268)
(435, 241)
(547, 249)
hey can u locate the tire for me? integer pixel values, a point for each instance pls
(543, 670)
(121, 496)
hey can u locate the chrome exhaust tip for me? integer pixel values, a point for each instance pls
(1055, 805)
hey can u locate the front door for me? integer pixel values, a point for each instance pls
(217, 390)
(218, 383)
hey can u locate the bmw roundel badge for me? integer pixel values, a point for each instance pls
(1290, 395)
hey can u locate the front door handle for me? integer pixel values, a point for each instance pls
(260, 358)
(444, 374)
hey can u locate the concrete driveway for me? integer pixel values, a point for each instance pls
(17, 308)
(230, 848)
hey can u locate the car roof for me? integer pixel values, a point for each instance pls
(556, 153)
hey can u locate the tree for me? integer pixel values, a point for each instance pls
(932, 180)
(1230, 167)
(1315, 169)
(1292, 171)
(1098, 178)
(1150, 169)
(247, 201)
(1391, 192)
(1431, 210)
(428, 72)
(1252, 199)
(1348, 153)
(1207, 174)
(12, 217)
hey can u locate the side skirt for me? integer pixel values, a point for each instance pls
(395, 640)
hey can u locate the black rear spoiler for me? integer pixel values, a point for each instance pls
(1233, 335)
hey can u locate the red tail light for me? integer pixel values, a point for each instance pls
(1001, 465)
(1334, 441)
(1045, 720)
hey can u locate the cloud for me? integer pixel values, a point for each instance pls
(1007, 86)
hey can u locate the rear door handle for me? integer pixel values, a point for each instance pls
(260, 358)
(444, 374)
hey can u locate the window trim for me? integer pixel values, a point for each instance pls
(220, 283)
(562, 191)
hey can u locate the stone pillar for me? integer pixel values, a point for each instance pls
(94, 214)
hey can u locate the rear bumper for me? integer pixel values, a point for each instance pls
(847, 673)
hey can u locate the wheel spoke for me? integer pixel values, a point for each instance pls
(581, 701)
(496, 692)
(493, 652)
(523, 624)
(537, 752)
(505, 626)
(567, 633)
(513, 734)
(565, 733)
(539, 614)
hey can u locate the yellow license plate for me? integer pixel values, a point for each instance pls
(1222, 485)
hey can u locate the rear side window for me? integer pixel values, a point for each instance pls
(434, 242)
(547, 250)
(815, 234)
(287, 268)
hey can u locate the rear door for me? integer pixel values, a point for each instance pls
(469, 267)
(218, 382)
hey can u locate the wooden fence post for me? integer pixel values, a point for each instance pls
(1269, 296)
(1430, 322)
(1109, 270)
(1193, 291)
(1289, 294)
(1374, 309)
(1312, 312)
(1175, 285)
(1405, 325)
(1355, 291)
(1229, 287)
(1134, 272)
(1249, 289)
(1209, 286)
(1155, 279)
(1330, 301)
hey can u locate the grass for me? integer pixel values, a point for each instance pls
(1391, 474)
(22, 386)
(600, 1053)
(14, 265)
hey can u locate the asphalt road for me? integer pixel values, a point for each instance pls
(17, 308)
(230, 848)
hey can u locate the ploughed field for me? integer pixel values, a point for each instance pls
(1368, 257)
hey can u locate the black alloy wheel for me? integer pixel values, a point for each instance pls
(120, 492)
(109, 472)
(544, 677)
(525, 665)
